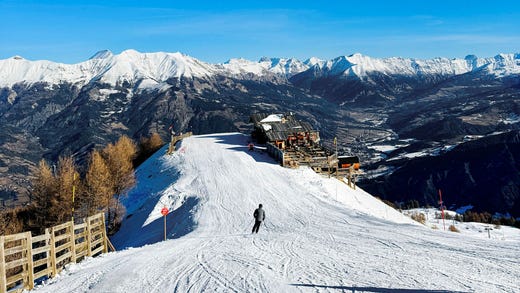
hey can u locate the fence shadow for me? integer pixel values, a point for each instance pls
(374, 289)
(178, 223)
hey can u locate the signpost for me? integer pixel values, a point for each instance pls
(488, 229)
(442, 209)
(337, 164)
(164, 212)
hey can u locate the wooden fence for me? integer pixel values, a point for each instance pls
(25, 258)
(175, 139)
(276, 153)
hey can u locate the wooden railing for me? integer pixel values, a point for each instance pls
(276, 153)
(175, 139)
(25, 258)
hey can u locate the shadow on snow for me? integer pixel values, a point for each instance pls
(374, 289)
(239, 142)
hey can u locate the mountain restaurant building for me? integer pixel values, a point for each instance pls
(293, 143)
(283, 130)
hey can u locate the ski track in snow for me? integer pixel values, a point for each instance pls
(319, 235)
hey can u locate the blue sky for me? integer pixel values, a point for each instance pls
(213, 31)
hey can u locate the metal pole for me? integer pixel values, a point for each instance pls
(337, 165)
(73, 193)
(164, 227)
(337, 160)
(442, 209)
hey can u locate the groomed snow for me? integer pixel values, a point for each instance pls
(319, 234)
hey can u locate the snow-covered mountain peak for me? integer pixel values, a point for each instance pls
(104, 66)
(356, 56)
(503, 64)
(313, 61)
(238, 66)
(102, 54)
(338, 65)
(362, 66)
(285, 66)
(266, 59)
(266, 65)
(133, 66)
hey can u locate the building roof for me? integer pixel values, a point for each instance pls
(279, 127)
(272, 118)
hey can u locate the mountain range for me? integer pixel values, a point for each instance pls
(132, 66)
(392, 112)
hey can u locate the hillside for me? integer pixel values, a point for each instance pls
(319, 234)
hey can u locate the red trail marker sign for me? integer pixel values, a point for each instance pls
(164, 212)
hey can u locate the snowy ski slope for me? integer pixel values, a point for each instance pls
(319, 235)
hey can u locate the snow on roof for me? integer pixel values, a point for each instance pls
(272, 118)
(266, 127)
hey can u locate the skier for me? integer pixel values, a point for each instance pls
(172, 132)
(259, 216)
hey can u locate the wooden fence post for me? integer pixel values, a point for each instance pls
(49, 252)
(105, 245)
(3, 277)
(54, 269)
(88, 237)
(73, 244)
(29, 266)
(350, 169)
